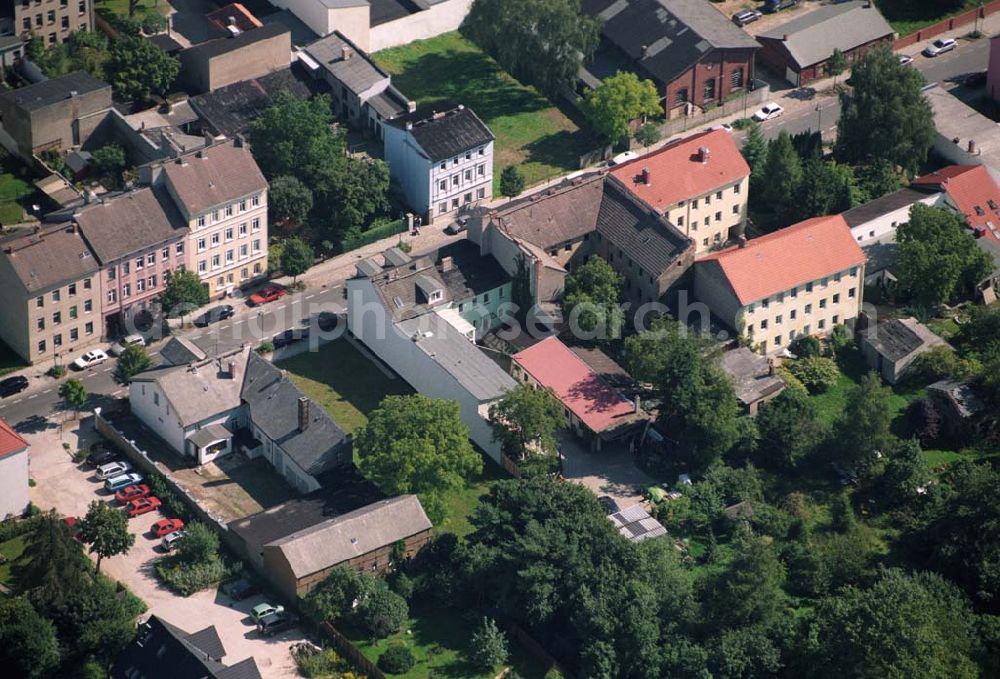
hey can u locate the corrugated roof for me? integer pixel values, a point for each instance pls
(356, 533)
(213, 176)
(812, 37)
(591, 399)
(130, 223)
(788, 257)
(10, 441)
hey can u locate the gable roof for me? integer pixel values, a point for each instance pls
(897, 338)
(55, 90)
(214, 175)
(676, 33)
(445, 134)
(54, 256)
(890, 202)
(578, 388)
(181, 351)
(678, 173)
(273, 402)
(974, 193)
(812, 37)
(789, 257)
(557, 215)
(10, 441)
(219, 46)
(357, 72)
(130, 222)
(353, 534)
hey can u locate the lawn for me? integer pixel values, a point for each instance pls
(439, 640)
(909, 16)
(830, 404)
(12, 550)
(16, 190)
(945, 328)
(531, 132)
(459, 505)
(120, 7)
(342, 380)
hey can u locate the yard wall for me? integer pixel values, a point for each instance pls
(946, 25)
(441, 18)
(748, 104)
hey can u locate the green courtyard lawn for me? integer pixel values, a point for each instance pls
(16, 189)
(11, 550)
(439, 640)
(531, 132)
(342, 380)
(459, 505)
(909, 16)
(120, 7)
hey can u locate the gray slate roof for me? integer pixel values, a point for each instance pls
(48, 92)
(273, 403)
(215, 175)
(473, 369)
(130, 222)
(677, 33)
(890, 202)
(54, 256)
(445, 134)
(896, 338)
(358, 73)
(812, 37)
(555, 216)
(356, 533)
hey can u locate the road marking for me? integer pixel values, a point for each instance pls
(310, 296)
(47, 391)
(17, 401)
(33, 396)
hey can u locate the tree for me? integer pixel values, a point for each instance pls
(755, 149)
(74, 394)
(541, 42)
(817, 373)
(397, 659)
(289, 200)
(647, 134)
(884, 114)
(876, 178)
(825, 188)
(511, 181)
(789, 430)
(200, 544)
(296, 257)
(590, 301)
(749, 590)
(153, 23)
(937, 259)
(105, 529)
(646, 353)
(488, 645)
(184, 293)
(134, 360)
(139, 69)
(28, 644)
(863, 429)
(900, 626)
(618, 101)
(381, 611)
(109, 160)
(905, 474)
(334, 598)
(836, 64)
(781, 177)
(53, 565)
(416, 444)
(526, 419)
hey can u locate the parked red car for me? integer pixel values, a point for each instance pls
(129, 493)
(268, 294)
(143, 505)
(71, 521)
(166, 526)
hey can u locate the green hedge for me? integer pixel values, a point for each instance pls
(377, 232)
(172, 504)
(12, 528)
(188, 578)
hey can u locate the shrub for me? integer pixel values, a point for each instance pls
(56, 371)
(12, 528)
(266, 347)
(187, 578)
(171, 503)
(925, 420)
(382, 612)
(488, 645)
(397, 659)
(941, 362)
(805, 347)
(80, 455)
(840, 338)
(323, 663)
(154, 23)
(816, 373)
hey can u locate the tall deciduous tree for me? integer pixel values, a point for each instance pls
(183, 293)
(863, 428)
(134, 360)
(416, 444)
(938, 259)
(526, 419)
(289, 200)
(105, 529)
(618, 101)
(139, 69)
(296, 257)
(542, 42)
(789, 430)
(884, 114)
(74, 394)
(591, 298)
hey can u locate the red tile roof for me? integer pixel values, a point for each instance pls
(677, 172)
(789, 257)
(244, 20)
(10, 441)
(974, 192)
(580, 389)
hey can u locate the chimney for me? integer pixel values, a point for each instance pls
(784, 38)
(770, 367)
(231, 369)
(345, 52)
(411, 106)
(742, 240)
(646, 176)
(447, 264)
(644, 51)
(303, 413)
(239, 141)
(703, 154)
(637, 405)
(72, 227)
(972, 146)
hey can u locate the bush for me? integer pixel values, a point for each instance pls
(154, 23)
(816, 373)
(377, 231)
(382, 612)
(266, 347)
(925, 421)
(488, 645)
(171, 503)
(56, 371)
(187, 578)
(397, 659)
(12, 528)
(840, 338)
(323, 663)
(940, 363)
(80, 455)
(805, 347)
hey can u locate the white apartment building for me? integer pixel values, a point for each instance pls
(443, 160)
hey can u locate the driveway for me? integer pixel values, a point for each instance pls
(69, 489)
(609, 472)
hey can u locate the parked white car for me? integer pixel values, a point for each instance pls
(905, 59)
(768, 111)
(118, 348)
(170, 540)
(940, 46)
(112, 469)
(623, 157)
(90, 359)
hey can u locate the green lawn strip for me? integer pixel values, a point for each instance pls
(439, 640)
(12, 550)
(531, 132)
(120, 7)
(343, 381)
(909, 16)
(15, 194)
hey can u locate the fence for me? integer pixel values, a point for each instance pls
(946, 25)
(746, 104)
(376, 233)
(351, 652)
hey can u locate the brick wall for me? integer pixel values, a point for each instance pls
(957, 21)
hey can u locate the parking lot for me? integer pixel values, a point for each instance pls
(69, 488)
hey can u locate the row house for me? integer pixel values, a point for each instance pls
(772, 297)
(138, 239)
(51, 301)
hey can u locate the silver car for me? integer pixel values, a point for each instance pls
(111, 469)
